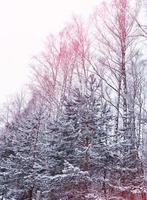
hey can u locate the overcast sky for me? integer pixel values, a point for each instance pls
(24, 26)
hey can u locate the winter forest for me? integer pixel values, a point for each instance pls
(81, 132)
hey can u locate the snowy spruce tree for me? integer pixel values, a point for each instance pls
(84, 130)
(20, 155)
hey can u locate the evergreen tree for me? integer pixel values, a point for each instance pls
(85, 131)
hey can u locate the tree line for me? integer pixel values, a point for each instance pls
(81, 134)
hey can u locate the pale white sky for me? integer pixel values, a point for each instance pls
(24, 26)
